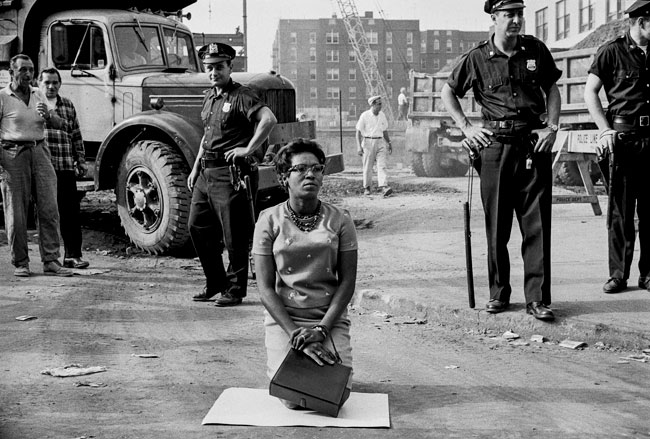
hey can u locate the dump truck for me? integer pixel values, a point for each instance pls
(433, 138)
(139, 115)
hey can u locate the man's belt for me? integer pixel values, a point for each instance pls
(636, 121)
(366, 137)
(213, 163)
(513, 125)
(21, 142)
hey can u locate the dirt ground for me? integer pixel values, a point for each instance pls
(441, 381)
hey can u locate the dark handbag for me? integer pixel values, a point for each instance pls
(301, 381)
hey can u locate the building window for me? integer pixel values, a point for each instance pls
(352, 91)
(353, 110)
(389, 38)
(293, 54)
(352, 74)
(372, 37)
(436, 32)
(332, 38)
(312, 37)
(541, 24)
(332, 56)
(333, 93)
(461, 46)
(423, 63)
(313, 92)
(312, 54)
(312, 74)
(449, 33)
(423, 47)
(409, 37)
(586, 15)
(562, 22)
(614, 9)
(389, 74)
(332, 74)
(436, 64)
(389, 91)
(371, 22)
(352, 57)
(332, 22)
(409, 55)
(389, 54)
(375, 55)
(450, 46)
(436, 45)
(293, 37)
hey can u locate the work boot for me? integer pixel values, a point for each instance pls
(366, 191)
(54, 268)
(614, 285)
(644, 282)
(22, 271)
(387, 191)
(75, 263)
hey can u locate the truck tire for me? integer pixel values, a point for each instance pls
(431, 164)
(152, 197)
(457, 169)
(418, 167)
(569, 175)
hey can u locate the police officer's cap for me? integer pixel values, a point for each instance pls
(492, 6)
(215, 52)
(640, 8)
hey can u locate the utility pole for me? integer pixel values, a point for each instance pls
(245, 39)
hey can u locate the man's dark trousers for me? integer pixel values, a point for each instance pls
(220, 217)
(69, 220)
(507, 186)
(631, 191)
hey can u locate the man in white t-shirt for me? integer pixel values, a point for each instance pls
(372, 143)
(402, 104)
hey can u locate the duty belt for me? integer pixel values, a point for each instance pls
(509, 124)
(212, 159)
(9, 143)
(636, 121)
(365, 137)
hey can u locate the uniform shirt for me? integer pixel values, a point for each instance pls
(372, 126)
(623, 68)
(65, 143)
(305, 262)
(507, 88)
(20, 122)
(227, 117)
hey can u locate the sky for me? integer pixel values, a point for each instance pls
(223, 16)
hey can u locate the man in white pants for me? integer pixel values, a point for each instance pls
(372, 143)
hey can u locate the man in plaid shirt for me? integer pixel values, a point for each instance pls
(68, 159)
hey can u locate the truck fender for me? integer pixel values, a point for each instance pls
(170, 128)
(418, 139)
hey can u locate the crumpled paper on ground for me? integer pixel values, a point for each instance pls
(72, 370)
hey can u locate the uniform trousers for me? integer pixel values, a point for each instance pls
(70, 222)
(374, 150)
(630, 191)
(220, 217)
(507, 186)
(28, 174)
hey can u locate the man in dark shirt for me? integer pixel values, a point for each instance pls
(69, 160)
(219, 213)
(513, 78)
(622, 67)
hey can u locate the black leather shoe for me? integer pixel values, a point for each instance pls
(644, 282)
(227, 299)
(205, 295)
(614, 285)
(496, 306)
(540, 311)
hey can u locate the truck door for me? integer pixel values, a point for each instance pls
(79, 51)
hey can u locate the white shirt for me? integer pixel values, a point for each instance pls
(402, 100)
(372, 126)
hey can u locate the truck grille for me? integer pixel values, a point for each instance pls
(282, 103)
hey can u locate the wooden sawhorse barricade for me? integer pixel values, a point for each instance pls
(579, 147)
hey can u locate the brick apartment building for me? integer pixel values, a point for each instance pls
(316, 55)
(441, 47)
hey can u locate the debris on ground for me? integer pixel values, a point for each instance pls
(573, 344)
(145, 355)
(646, 351)
(517, 343)
(641, 358)
(88, 384)
(72, 370)
(410, 321)
(90, 271)
(538, 338)
(452, 366)
(509, 335)
(25, 318)
(191, 267)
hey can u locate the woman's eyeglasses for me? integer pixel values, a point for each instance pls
(303, 169)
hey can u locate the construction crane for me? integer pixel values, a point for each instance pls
(367, 62)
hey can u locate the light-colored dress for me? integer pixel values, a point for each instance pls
(306, 277)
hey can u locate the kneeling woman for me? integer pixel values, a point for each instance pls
(306, 264)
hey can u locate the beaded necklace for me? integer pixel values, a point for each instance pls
(305, 223)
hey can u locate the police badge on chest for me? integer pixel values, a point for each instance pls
(226, 107)
(531, 65)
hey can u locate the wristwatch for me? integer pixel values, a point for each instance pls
(553, 127)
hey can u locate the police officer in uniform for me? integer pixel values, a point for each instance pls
(236, 123)
(622, 67)
(513, 78)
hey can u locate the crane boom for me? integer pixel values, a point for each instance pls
(365, 58)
